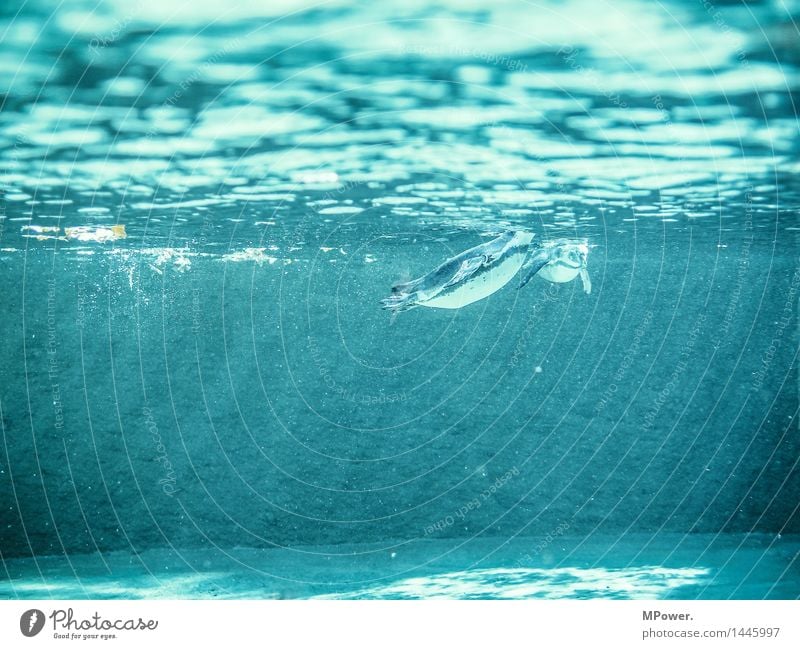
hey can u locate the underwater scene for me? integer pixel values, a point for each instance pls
(419, 299)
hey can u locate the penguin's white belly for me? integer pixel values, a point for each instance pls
(478, 287)
(558, 272)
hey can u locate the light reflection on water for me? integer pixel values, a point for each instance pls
(645, 582)
(560, 117)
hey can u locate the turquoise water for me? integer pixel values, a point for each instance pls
(202, 208)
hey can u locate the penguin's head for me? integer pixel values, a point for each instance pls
(574, 254)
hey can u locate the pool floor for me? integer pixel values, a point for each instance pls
(694, 566)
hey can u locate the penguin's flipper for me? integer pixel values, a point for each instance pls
(539, 261)
(587, 281)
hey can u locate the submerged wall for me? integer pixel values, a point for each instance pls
(249, 404)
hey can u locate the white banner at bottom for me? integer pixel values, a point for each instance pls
(388, 624)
